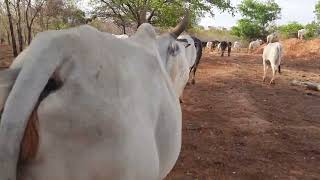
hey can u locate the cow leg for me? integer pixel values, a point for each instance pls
(193, 81)
(279, 69)
(273, 74)
(265, 68)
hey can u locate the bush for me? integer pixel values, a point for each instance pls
(290, 30)
(312, 30)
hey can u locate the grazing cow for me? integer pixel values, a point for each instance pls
(214, 44)
(274, 37)
(223, 47)
(272, 54)
(82, 104)
(301, 33)
(193, 69)
(204, 44)
(209, 45)
(254, 45)
(229, 48)
(237, 46)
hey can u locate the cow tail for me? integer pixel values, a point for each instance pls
(45, 54)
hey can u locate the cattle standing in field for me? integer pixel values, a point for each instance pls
(214, 44)
(209, 45)
(237, 46)
(223, 47)
(204, 44)
(194, 54)
(301, 33)
(229, 48)
(193, 69)
(188, 58)
(254, 45)
(274, 37)
(110, 111)
(272, 54)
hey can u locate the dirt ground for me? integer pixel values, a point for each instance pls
(237, 127)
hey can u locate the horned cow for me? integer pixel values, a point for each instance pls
(107, 108)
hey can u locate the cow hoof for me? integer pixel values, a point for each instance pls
(181, 101)
(272, 83)
(193, 81)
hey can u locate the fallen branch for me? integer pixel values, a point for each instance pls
(308, 85)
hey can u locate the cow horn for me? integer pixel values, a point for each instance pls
(181, 26)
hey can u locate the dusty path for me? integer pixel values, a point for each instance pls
(236, 127)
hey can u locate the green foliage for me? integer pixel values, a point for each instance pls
(165, 13)
(247, 30)
(260, 12)
(312, 30)
(290, 30)
(258, 16)
(317, 11)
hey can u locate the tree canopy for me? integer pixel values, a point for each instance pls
(257, 17)
(164, 13)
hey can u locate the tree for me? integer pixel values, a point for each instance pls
(317, 11)
(19, 29)
(164, 13)
(13, 39)
(258, 16)
(312, 30)
(31, 13)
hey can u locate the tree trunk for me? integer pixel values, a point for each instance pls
(124, 29)
(29, 34)
(13, 39)
(8, 37)
(19, 30)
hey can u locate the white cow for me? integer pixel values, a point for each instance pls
(237, 45)
(190, 49)
(274, 37)
(272, 53)
(190, 54)
(254, 44)
(107, 108)
(219, 47)
(209, 45)
(301, 33)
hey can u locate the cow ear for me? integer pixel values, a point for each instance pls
(173, 49)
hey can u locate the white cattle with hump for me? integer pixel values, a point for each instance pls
(272, 54)
(255, 44)
(273, 37)
(301, 33)
(82, 104)
(237, 45)
(189, 51)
